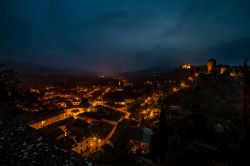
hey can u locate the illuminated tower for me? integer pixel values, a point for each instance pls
(211, 66)
(223, 69)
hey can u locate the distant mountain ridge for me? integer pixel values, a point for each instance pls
(135, 75)
(31, 69)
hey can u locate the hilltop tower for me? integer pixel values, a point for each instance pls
(211, 63)
(223, 69)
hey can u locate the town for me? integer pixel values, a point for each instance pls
(90, 119)
(125, 82)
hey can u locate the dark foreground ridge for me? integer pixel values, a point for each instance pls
(21, 145)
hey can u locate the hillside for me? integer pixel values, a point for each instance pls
(145, 74)
(22, 145)
(208, 128)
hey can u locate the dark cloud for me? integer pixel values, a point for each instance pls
(124, 35)
(238, 50)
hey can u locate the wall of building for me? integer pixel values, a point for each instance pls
(88, 146)
(53, 119)
(50, 120)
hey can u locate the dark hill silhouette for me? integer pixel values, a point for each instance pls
(142, 74)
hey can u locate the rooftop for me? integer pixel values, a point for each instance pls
(103, 113)
(22, 145)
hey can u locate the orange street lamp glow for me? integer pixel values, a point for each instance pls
(182, 84)
(190, 78)
(175, 89)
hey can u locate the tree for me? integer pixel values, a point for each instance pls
(8, 84)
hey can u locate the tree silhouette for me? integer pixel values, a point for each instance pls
(8, 84)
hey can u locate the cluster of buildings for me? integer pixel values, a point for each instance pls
(88, 120)
(83, 129)
(213, 67)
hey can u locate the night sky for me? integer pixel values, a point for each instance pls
(119, 35)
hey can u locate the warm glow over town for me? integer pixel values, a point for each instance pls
(92, 119)
(94, 105)
(125, 83)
